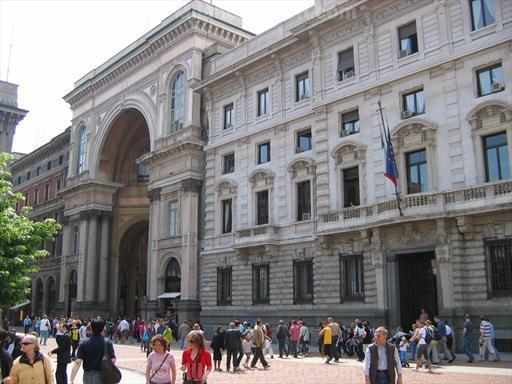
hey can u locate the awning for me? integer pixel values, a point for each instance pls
(18, 306)
(169, 295)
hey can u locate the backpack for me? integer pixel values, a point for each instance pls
(110, 374)
(428, 335)
(437, 335)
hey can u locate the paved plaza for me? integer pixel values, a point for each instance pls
(313, 370)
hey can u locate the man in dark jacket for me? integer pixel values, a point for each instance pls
(63, 352)
(5, 357)
(381, 362)
(281, 334)
(233, 344)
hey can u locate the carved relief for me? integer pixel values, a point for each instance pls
(302, 167)
(261, 178)
(490, 112)
(348, 152)
(297, 59)
(226, 188)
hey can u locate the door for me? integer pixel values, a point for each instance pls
(418, 286)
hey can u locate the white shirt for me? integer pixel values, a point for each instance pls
(383, 360)
(83, 332)
(448, 331)
(45, 325)
(124, 326)
(423, 333)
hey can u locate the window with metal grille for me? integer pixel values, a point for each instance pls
(351, 277)
(482, 13)
(499, 261)
(303, 281)
(224, 279)
(260, 283)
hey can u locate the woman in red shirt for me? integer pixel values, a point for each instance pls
(196, 361)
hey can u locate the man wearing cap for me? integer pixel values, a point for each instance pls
(381, 362)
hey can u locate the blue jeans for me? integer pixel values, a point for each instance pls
(468, 347)
(403, 357)
(282, 347)
(305, 347)
(44, 337)
(293, 348)
(382, 378)
(92, 377)
(414, 345)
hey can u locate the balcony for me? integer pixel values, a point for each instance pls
(46, 206)
(261, 235)
(481, 198)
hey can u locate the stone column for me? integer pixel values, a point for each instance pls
(104, 257)
(378, 264)
(151, 304)
(65, 252)
(82, 257)
(91, 283)
(188, 306)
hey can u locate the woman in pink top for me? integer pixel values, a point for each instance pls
(161, 368)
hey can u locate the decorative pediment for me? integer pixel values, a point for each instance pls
(413, 132)
(226, 187)
(261, 177)
(302, 167)
(490, 114)
(348, 152)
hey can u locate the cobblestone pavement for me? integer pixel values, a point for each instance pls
(313, 370)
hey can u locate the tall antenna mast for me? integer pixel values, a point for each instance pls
(10, 51)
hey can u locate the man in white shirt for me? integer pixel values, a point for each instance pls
(44, 328)
(421, 338)
(83, 332)
(381, 363)
(124, 329)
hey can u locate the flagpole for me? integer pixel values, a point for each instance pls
(395, 184)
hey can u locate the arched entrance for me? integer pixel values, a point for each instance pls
(133, 253)
(38, 305)
(52, 296)
(72, 291)
(172, 286)
(127, 140)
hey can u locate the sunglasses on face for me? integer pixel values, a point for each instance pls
(26, 343)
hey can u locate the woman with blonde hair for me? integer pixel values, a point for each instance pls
(196, 361)
(161, 367)
(32, 367)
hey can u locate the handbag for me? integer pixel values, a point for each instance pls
(110, 374)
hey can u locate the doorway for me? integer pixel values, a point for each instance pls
(418, 286)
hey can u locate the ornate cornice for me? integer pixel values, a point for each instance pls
(189, 23)
(191, 185)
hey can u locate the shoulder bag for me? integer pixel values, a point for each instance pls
(110, 374)
(162, 363)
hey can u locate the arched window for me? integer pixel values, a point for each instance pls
(173, 276)
(178, 102)
(52, 295)
(80, 159)
(142, 172)
(73, 284)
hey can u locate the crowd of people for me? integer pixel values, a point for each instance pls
(244, 343)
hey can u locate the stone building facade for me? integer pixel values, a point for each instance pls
(10, 114)
(40, 176)
(228, 175)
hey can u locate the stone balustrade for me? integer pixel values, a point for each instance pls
(255, 236)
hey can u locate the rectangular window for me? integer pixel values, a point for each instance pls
(38, 171)
(61, 159)
(228, 116)
(173, 218)
(350, 123)
(351, 274)
(499, 261)
(19, 180)
(59, 183)
(36, 196)
(224, 278)
(346, 68)
(28, 175)
(26, 199)
(302, 86)
(413, 104)
(304, 201)
(304, 141)
(303, 282)
(263, 153)
(46, 192)
(417, 174)
(76, 239)
(408, 39)
(229, 163)
(496, 153)
(263, 102)
(490, 80)
(262, 207)
(351, 187)
(260, 284)
(482, 13)
(227, 216)
(49, 166)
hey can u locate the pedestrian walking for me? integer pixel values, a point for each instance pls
(485, 340)
(63, 352)
(423, 340)
(468, 337)
(258, 340)
(326, 332)
(281, 334)
(267, 347)
(217, 345)
(442, 344)
(247, 346)
(233, 344)
(27, 322)
(161, 365)
(305, 337)
(124, 329)
(381, 362)
(196, 360)
(32, 366)
(5, 357)
(294, 338)
(493, 342)
(183, 331)
(75, 339)
(44, 329)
